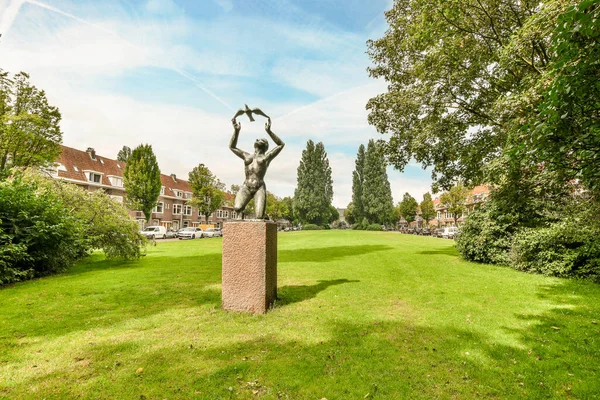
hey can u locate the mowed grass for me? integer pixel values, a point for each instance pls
(360, 315)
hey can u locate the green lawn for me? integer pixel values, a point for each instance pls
(360, 315)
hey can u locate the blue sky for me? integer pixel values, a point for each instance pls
(172, 74)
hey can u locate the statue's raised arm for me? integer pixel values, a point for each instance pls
(273, 153)
(237, 126)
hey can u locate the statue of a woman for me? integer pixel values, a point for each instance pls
(255, 167)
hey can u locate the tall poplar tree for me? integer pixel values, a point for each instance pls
(314, 191)
(141, 179)
(124, 154)
(377, 199)
(358, 212)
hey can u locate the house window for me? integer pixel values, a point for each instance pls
(94, 177)
(219, 214)
(159, 207)
(178, 193)
(177, 208)
(188, 195)
(233, 215)
(187, 210)
(162, 190)
(116, 181)
(75, 168)
(226, 214)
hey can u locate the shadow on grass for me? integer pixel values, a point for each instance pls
(364, 358)
(325, 254)
(297, 293)
(446, 251)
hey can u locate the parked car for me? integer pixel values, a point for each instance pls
(426, 231)
(410, 231)
(155, 232)
(438, 232)
(171, 233)
(213, 232)
(191, 233)
(449, 233)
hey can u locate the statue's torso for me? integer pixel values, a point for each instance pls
(255, 171)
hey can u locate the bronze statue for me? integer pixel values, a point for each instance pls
(255, 166)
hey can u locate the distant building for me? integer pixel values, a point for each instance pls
(93, 172)
(476, 196)
(341, 211)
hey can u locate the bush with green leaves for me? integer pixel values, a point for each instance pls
(486, 235)
(107, 223)
(311, 227)
(373, 227)
(38, 234)
(568, 248)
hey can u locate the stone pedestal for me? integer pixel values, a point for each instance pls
(249, 266)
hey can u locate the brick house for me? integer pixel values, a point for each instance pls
(475, 197)
(94, 172)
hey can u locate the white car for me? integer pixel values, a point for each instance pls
(191, 233)
(155, 232)
(213, 232)
(449, 233)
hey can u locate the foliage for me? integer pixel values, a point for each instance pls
(334, 214)
(427, 209)
(124, 154)
(358, 178)
(349, 214)
(486, 235)
(207, 190)
(373, 227)
(29, 127)
(141, 179)
(455, 201)
(459, 76)
(314, 191)
(287, 208)
(311, 227)
(38, 234)
(566, 128)
(378, 205)
(107, 224)
(407, 208)
(566, 248)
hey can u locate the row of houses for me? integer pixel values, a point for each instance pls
(444, 218)
(94, 172)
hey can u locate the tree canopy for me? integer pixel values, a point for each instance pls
(357, 185)
(30, 134)
(141, 178)
(207, 190)
(455, 201)
(124, 154)
(407, 208)
(377, 202)
(427, 208)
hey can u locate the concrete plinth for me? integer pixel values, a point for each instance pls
(249, 266)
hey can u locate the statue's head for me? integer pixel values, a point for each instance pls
(261, 145)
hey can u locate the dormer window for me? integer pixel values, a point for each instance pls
(178, 193)
(162, 190)
(94, 177)
(116, 181)
(188, 195)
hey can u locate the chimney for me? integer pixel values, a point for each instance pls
(174, 177)
(91, 152)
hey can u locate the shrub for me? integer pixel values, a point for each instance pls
(38, 235)
(311, 227)
(373, 227)
(566, 249)
(486, 235)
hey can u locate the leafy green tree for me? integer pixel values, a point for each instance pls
(141, 178)
(30, 134)
(377, 202)
(349, 214)
(407, 208)
(455, 201)
(334, 214)
(566, 129)
(124, 154)
(207, 190)
(357, 184)
(314, 191)
(427, 208)
(459, 76)
(287, 208)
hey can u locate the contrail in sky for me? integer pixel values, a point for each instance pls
(12, 10)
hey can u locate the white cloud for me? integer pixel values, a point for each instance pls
(8, 12)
